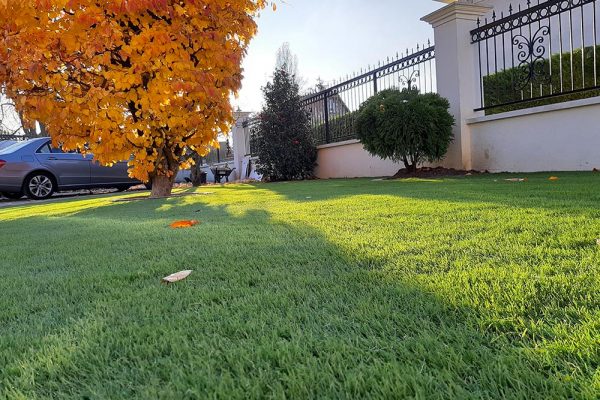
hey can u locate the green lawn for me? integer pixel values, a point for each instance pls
(433, 289)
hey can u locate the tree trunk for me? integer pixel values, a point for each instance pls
(162, 185)
(411, 166)
(196, 175)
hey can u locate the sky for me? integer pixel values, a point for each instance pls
(332, 38)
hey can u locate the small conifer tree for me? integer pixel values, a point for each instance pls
(283, 140)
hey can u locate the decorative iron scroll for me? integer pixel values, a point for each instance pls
(410, 82)
(521, 18)
(533, 66)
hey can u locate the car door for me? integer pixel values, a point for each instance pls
(116, 174)
(71, 169)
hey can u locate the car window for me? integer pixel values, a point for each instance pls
(6, 143)
(14, 147)
(57, 151)
(45, 149)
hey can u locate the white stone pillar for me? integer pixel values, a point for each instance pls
(457, 70)
(238, 134)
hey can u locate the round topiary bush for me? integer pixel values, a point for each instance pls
(406, 126)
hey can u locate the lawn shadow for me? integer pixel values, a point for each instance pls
(273, 309)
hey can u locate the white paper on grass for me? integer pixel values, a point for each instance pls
(176, 277)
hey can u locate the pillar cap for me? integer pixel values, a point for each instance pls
(455, 10)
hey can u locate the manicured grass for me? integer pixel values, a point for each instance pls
(433, 289)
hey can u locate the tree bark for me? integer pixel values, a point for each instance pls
(196, 175)
(410, 168)
(410, 163)
(162, 185)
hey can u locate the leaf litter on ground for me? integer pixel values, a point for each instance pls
(184, 224)
(176, 277)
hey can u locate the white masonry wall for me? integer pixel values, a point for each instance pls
(350, 160)
(558, 137)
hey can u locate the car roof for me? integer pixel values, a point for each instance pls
(23, 145)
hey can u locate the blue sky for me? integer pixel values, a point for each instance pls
(332, 38)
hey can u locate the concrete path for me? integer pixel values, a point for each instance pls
(24, 201)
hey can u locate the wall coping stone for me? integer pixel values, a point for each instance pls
(535, 110)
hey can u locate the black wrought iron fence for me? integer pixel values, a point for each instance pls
(16, 137)
(544, 53)
(252, 130)
(223, 154)
(333, 110)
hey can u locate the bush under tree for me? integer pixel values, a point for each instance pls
(406, 126)
(283, 140)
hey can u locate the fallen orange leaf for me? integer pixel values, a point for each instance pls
(179, 276)
(554, 178)
(184, 224)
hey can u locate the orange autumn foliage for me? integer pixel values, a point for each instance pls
(137, 80)
(184, 224)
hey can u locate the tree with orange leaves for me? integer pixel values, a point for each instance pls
(139, 80)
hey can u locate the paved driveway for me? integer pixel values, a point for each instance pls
(4, 202)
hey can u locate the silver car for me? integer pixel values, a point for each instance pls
(5, 143)
(36, 169)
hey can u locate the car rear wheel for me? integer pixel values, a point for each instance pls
(39, 186)
(12, 196)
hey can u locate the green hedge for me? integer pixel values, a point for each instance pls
(499, 87)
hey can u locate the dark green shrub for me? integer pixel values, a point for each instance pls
(501, 87)
(406, 126)
(283, 140)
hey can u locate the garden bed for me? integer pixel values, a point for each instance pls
(433, 172)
